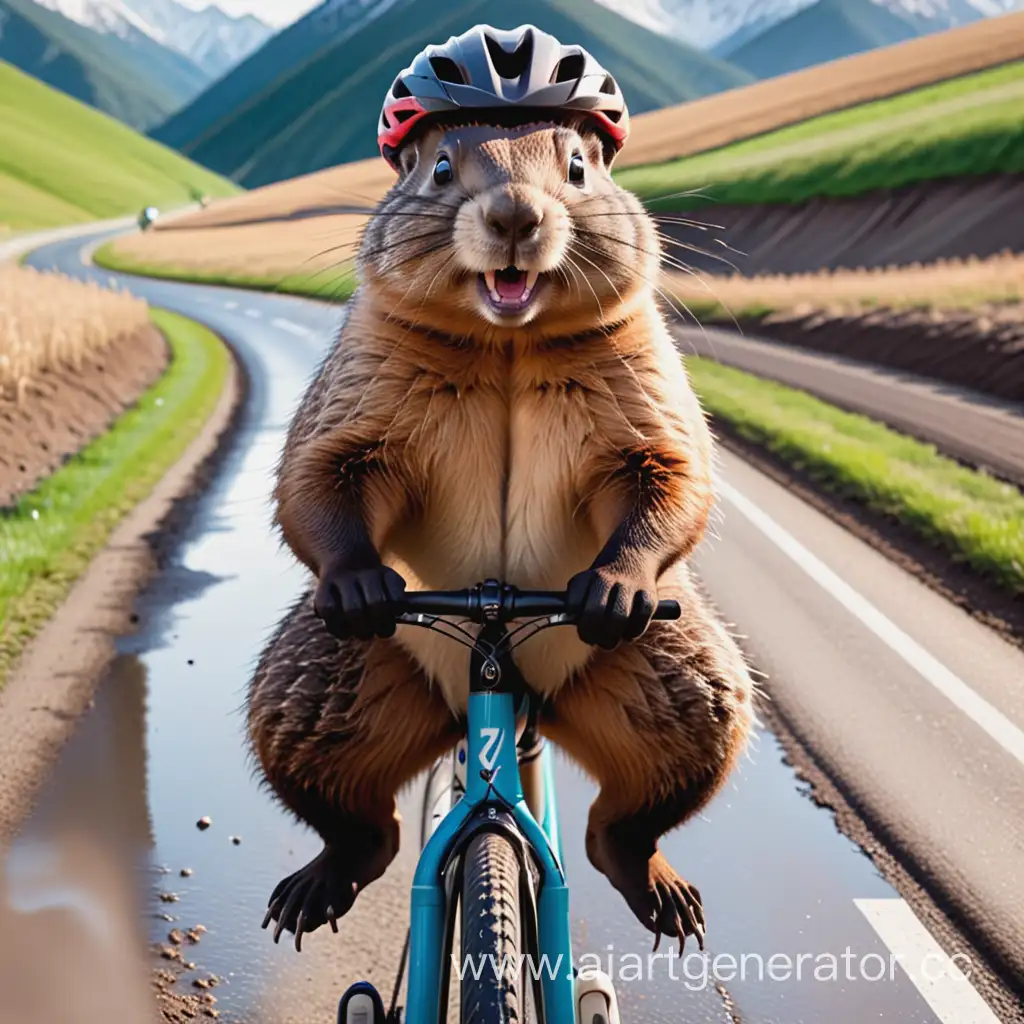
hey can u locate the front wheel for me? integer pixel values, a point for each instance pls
(492, 990)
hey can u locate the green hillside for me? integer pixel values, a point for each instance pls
(62, 162)
(323, 108)
(140, 83)
(825, 31)
(968, 126)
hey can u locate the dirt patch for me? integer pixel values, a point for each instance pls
(983, 351)
(996, 608)
(961, 219)
(55, 680)
(62, 409)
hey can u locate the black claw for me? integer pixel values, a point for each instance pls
(270, 913)
(332, 920)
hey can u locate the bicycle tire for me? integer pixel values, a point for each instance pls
(491, 927)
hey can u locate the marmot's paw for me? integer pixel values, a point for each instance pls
(317, 894)
(670, 906)
(664, 903)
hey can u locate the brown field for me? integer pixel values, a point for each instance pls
(249, 253)
(946, 284)
(48, 321)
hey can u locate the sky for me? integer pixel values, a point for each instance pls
(274, 12)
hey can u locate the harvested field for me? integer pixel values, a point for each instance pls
(301, 255)
(49, 321)
(983, 350)
(945, 284)
(63, 407)
(72, 357)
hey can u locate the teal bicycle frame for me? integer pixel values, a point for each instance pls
(492, 782)
(494, 800)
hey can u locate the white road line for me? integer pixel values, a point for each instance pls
(289, 327)
(937, 976)
(253, 314)
(975, 707)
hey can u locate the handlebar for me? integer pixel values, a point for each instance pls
(492, 601)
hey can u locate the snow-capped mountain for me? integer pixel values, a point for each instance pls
(213, 40)
(709, 23)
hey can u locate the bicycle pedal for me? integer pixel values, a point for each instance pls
(361, 1004)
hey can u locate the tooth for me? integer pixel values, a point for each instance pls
(531, 280)
(489, 280)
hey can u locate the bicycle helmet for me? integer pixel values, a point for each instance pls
(497, 70)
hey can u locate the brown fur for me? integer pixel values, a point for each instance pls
(459, 446)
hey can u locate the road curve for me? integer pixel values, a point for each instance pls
(909, 705)
(972, 427)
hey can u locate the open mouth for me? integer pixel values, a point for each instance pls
(510, 290)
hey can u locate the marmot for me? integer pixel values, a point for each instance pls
(504, 401)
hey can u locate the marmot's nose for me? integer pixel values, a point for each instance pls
(512, 219)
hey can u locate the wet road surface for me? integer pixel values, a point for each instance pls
(778, 878)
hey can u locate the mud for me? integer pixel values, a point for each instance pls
(982, 350)
(62, 410)
(958, 219)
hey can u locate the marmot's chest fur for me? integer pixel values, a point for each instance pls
(502, 487)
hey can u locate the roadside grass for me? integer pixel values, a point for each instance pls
(967, 126)
(48, 539)
(63, 162)
(334, 285)
(975, 518)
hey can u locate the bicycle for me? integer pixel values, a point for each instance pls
(490, 839)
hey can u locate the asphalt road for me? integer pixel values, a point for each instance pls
(912, 707)
(975, 428)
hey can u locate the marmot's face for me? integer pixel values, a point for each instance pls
(492, 228)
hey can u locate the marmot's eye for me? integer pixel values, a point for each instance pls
(577, 169)
(443, 172)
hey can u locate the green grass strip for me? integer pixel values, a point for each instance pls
(974, 517)
(48, 539)
(335, 285)
(968, 126)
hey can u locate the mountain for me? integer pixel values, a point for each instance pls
(213, 39)
(311, 97)
(138, 81)
(825, 31)
(722, 26)
(62, 162)
(209, 38)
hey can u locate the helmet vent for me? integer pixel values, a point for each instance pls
(569, 68)
(447, 70)
(511, 65)
(401, 116)
(615, 116)
(608, 85)
(400, 89)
